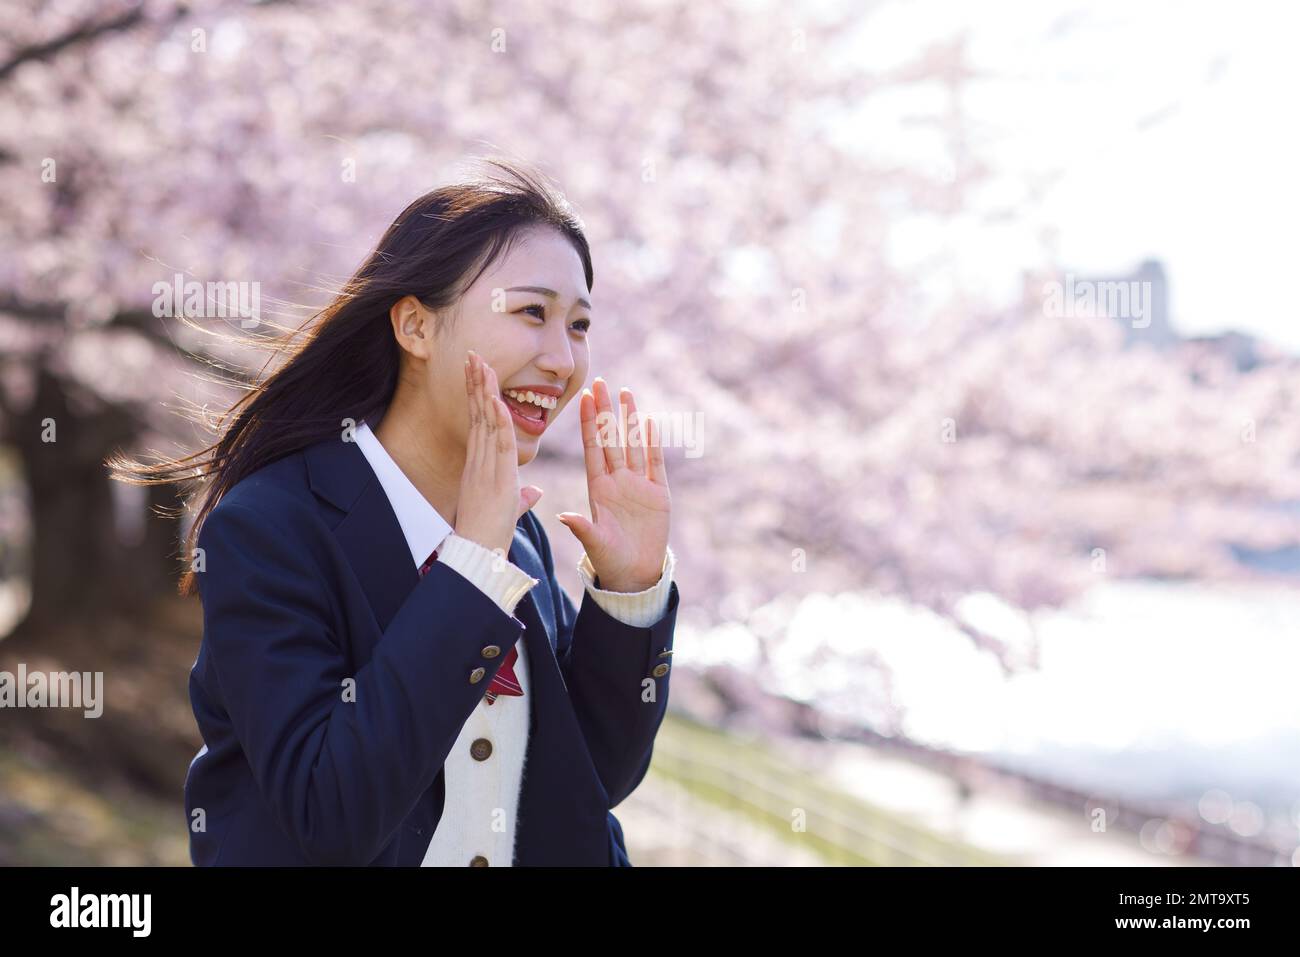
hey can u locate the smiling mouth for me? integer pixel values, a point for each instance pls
(526, 409)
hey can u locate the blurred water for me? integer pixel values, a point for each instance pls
(1141, 689)
(1166, 691)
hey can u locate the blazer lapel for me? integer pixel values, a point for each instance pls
(534, 609)
(372, 539)
(368, 531)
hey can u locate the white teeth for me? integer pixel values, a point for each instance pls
(545, 401)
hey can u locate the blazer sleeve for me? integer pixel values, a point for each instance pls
(617, 677)
(339, 757)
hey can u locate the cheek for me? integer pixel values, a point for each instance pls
(581, 366)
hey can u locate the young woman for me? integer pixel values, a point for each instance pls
(390, 673)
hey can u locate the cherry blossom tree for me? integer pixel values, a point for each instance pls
(833, 433)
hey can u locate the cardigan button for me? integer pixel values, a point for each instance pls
(478, 861)
(481, 749)
(491, 651)
(476, 675)
(660, 670)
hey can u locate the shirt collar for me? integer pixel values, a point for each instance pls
(423, 527)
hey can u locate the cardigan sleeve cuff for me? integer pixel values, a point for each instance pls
(496, 576)
(641, 608)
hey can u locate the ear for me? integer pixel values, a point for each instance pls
(412, 326)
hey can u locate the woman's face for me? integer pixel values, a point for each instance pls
(527, 316)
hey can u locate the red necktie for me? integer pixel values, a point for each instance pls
(504, 681)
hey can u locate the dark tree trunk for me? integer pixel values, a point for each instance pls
(79, 567)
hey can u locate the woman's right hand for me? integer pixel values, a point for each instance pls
(491, 501)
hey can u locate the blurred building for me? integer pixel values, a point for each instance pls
(1151, 326)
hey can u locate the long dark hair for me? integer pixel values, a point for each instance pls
(347, 362)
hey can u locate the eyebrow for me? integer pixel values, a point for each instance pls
(542, 290)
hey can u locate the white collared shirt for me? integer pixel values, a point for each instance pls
(482, 795)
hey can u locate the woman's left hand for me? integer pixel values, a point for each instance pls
(627, 488)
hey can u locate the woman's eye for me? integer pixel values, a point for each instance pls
(538, 310)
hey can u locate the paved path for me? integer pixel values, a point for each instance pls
(995, 818)
(665, 825)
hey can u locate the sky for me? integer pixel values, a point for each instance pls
(1116, 132)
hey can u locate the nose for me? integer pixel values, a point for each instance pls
(556, 358)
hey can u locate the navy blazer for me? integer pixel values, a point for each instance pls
(307, 581)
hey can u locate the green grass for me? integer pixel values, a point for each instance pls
(49, 818)
(752, 758)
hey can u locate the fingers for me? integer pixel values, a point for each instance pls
(474, 441)
(491, 400)
(507, 457)
(482, 408)
(484, 417)
(501, 434)
(529, 495)
(657, 472)
(592, 454)
(490, 480)
(480, 392)
(615, 456)
(636, 438)
(643, 453)
(499, 430)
